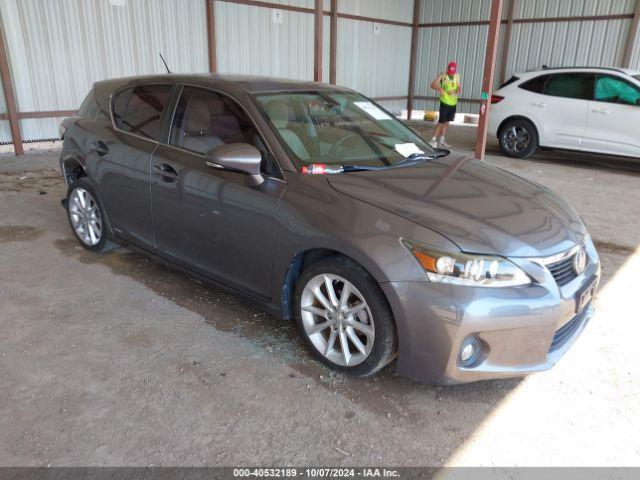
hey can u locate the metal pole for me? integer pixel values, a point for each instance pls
(211, 35)
(317, 41)
(487, 80)
(632, 39)
(333, 42)
(10, 100)
(507, 41)
(413, 57)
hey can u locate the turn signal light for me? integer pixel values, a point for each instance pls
(496, 99)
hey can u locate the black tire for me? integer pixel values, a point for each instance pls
(104, 243)
(525, 132)
(384, 342)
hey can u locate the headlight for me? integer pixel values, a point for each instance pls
(466, 269)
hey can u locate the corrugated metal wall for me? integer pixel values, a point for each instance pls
(532, 45)
(58, 48)
(559, 44)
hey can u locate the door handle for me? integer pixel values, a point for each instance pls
(539, 104)
(167, 172)
(603, 111)
(100, 148)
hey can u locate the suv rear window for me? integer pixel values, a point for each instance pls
(139, 110)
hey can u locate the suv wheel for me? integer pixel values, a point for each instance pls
(344, 318)
(518, 138)
(87, 218)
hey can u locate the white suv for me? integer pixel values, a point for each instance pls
(586, 109)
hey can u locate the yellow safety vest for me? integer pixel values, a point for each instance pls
(449, 85)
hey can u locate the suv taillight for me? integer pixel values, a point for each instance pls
(496, 99)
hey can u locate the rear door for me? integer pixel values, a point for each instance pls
(560, 111)
(613, 124)
(210, 220)
(123, 161)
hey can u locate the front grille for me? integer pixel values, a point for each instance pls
(567, 330)
(562, 271)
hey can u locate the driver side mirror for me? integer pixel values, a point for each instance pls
(237, 157)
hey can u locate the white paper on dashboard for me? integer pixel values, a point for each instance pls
(407, 149)
(372, 110)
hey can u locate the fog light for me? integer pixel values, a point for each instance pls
(469, 351)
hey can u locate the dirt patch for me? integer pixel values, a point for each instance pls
(19, 233)
(615, 248)
(32, 181)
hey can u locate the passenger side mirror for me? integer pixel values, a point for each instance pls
(237, 157)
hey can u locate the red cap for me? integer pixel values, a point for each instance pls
(452, 68)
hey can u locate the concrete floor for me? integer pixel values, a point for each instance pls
(113, 360)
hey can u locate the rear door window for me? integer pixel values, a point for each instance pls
(143, 110)
(571, 85)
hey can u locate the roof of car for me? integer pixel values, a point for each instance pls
(625, 71)
(251, 84)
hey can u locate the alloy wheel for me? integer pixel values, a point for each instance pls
(337, 320)
(85, 216)
(517, 139)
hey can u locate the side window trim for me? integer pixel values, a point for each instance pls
(165, 139)
(132, 88)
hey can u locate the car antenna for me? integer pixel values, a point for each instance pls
(165, 63)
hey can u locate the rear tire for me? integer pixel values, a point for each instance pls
(518, 138)
(86, 217)
(356, 334)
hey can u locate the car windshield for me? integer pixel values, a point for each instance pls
(341, 129)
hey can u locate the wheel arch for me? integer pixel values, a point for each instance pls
(301, 261)
(518, 117)
(73, 168)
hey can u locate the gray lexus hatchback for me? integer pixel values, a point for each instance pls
(318, 203)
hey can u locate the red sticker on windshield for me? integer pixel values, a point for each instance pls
(315, 169)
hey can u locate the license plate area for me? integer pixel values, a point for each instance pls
(585, 294)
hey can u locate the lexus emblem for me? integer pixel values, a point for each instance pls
(579, 261)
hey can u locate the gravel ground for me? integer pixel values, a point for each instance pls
(114, 360)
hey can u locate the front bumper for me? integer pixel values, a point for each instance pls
(522, 330)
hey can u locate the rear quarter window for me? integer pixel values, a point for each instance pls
(535, 85)
(510, 81)
(89, 107)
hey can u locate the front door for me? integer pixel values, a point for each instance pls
(210, 220)
(123, 160)
(614, 117)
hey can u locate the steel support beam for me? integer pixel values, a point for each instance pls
(333, 42)
(487, 80)
(506, 44)
(632, 39)
(413, 57)
(9, 97)
(317, 40)
(211, 35)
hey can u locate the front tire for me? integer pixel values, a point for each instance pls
(343, 317)
(518, 138)
(86, 217)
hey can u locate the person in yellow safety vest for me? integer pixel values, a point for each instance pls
(448, 86)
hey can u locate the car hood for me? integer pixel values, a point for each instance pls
(479, 207)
